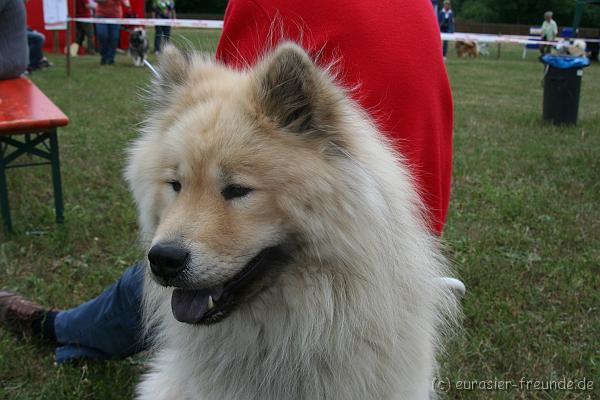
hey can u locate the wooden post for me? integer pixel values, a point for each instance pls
(55, 42)
(68, 45)
(69, 24)
(499, 47)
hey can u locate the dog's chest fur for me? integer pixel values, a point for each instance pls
(283, 350)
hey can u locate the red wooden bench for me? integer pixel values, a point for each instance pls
(28, 124)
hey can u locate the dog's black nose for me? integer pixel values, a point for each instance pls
(167, 259)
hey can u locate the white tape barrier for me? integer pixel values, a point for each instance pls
(516, 39)
(215, 24)
(178, 23)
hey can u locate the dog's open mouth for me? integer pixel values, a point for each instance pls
(210, 305)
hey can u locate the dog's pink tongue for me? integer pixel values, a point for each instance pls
(189, 306)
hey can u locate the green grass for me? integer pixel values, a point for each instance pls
(523, 228)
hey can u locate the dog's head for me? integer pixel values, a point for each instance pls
(137, 36)
(227, 164)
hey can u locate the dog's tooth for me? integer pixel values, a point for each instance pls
(210, 303)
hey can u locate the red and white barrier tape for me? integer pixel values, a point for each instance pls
(178, 23)
(215, 24)
(515, 39)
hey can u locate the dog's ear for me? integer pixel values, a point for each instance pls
(292, 91)
(173, 68)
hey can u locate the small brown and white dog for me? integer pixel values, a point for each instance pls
(467, 47)
(287, 254)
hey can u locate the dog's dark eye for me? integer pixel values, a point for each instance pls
(176, 185)
(235, 191)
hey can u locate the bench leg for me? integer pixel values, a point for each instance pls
(4, 206)
(54, 158)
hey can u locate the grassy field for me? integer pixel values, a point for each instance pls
(523, 229)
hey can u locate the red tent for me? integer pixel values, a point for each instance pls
(35, 20)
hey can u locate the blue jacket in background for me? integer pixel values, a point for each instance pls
(446, 21)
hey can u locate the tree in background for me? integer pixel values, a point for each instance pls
(529, 12)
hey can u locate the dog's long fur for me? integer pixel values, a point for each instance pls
(357, 311)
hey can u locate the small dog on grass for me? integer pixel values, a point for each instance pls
(287, 254)
(467, 48)
(138, 46)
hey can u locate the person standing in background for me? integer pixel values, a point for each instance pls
(108, 34)
(549, 32)
(85, 30)
(162, 9)
(13, 39)
(446, 21)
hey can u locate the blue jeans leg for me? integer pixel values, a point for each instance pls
(113, 38)
(102, 32)
(157, 38)
(162, 36)
(35, 40)
(106, 327)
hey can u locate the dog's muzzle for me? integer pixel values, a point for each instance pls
(167, 260)
(212, 304)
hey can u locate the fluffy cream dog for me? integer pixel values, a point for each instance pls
(288, 257)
